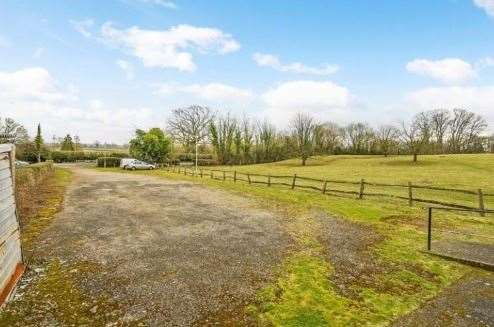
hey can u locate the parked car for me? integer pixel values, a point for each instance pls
(134, 164)
(20, 163)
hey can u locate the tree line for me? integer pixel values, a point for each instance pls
(233, 140)
(245, 141)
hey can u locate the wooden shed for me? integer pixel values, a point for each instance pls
(11, 263)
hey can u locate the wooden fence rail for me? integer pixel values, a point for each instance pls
(324, 186)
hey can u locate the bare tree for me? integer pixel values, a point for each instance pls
(327, 137)
(412, 136)
(440, 121)
(387, 137)
(77, 143)
(303, 127)
(423, 121)
(222, 134)
(265, 139)
(190, 126)
(359, 136)
(248, 130)
(465, 127)
(12, 132)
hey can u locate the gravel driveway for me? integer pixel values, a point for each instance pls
(173, 253)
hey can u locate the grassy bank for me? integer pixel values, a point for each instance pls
(45, 200)
(306, 291)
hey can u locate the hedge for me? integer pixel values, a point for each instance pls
(73, 156)
(108, 162)
(28, 177)
(192, 156)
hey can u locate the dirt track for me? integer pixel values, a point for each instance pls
(172, 252)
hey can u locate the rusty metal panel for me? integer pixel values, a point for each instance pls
(10, 245)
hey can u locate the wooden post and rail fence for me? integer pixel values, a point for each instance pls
(327, 186)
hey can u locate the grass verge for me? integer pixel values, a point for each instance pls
(46, 200)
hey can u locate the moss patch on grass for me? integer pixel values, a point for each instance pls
(52, 298)
(303, 296)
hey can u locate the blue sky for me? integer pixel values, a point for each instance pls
(99, 69)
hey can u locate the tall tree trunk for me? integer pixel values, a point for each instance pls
(303, 161)
(415, 157)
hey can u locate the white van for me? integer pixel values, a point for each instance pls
(133, 164)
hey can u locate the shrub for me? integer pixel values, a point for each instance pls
(110, 162)
(30, 176)
(207, 162)
(27, 152)
(192, 156)
(73, 156)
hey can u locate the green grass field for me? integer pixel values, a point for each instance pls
(305, 293)
(469, 172)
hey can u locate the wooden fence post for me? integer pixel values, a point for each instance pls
(362, 186)
(200, 171)
(185, 171)
(410, 194)
(234, 176)
(248, 178)
(293, 181)
(224, 176)
(481, 203)
(269, 180)
(324, 187)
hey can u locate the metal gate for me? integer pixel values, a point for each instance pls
(11, 266)
(463, 245)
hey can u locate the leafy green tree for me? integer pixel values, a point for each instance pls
(153, 145)
(38, 143)
(67, 143)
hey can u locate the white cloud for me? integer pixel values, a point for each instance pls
(170, 48)
(83, 26)
(127, 68)
(214, 92)
(162, 3)
(32, 95)
(33, 84)
(324, 100)
(269, 60)
(479, 99)
(448, 70)
(487, 5)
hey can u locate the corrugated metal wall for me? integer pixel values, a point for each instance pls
(10, 246)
